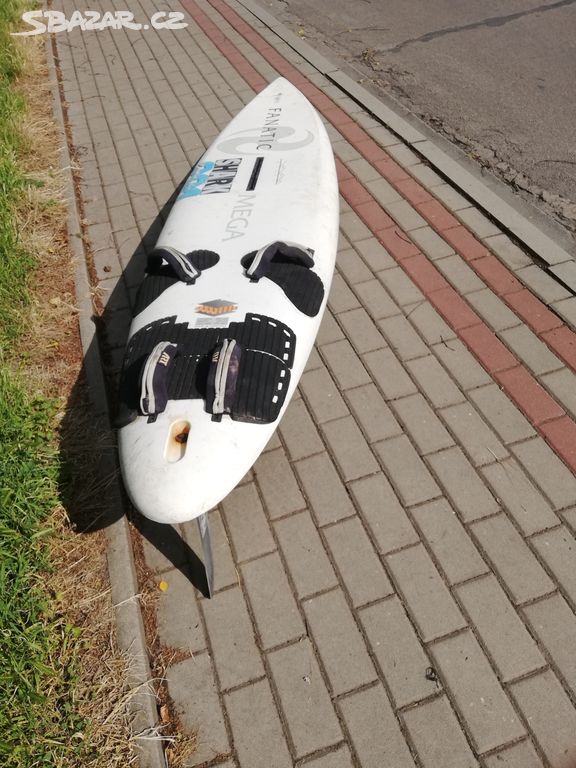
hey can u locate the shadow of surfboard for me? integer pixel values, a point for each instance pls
(90, 483)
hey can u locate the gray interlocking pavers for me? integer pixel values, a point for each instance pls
(381, 509)
(381, 569)
(429, 601)
(550, 715)
(523, 501)
(500, 628)
(304, 698)
(477, 439)
(451, 545)
(437, 736)
(255, 722)
(308, 563)
(272, 601)
(324, 489)
(372, 414)
(398, 651)
(511, 558)
(476, 692)
(361, 570)
(340, 645)
(374, 730)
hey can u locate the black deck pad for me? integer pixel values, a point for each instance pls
(268, 356)
(290, 268)
(161, 276)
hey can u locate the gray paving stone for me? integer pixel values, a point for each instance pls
(249, 529)
(361, 570)
(524, 502)
(361, 331)
(508, 252)
(425, 594)
(346, 366)
(503, 633)
(544, 286)
(304, 698)
(402, 338)
(374, 254)
(351, 452)
(273, 605)
(193, 690)
(511, 559)
(437, 736)
(537, 697)
(405, 215)
(460, 275)
(434, 382)
(476, 692)
(554, 623)
(558, 550)
(461, 365)
(429, 323)
(341, 297)
(375, 733)
(398, 652)
(449, 541)
(339, 643)
(389, 374)
(503, 416)
(493, 310)
(477, 223)
(477, 439)
(407, 471)
(531, 351)
(340, 758)
(231, 634)
(450, 197)
(522, 755)
(351, 266)
(381, 509)
(400, 286)
(329, 330)
(363, 170)
(277, 484)
(376, 299)
(431, 243)
(422, 424)
(562, 385)
(256, 727)
(547, 471)
(372, 413)
(307, 560)
(179, 628)
(299, 433)
(465, 489)
(353, 227)
(326, 494)
(322, 394)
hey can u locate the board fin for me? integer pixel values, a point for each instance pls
(204, 531)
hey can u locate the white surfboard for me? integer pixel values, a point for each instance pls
(228, 313)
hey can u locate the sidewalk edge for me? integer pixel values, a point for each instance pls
(121, 567)
(537, 232)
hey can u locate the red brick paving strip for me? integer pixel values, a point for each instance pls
(530, 397)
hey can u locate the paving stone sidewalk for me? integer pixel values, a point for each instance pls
(396, 578)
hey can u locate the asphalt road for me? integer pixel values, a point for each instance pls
(498, 77)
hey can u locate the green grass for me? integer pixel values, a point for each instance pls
(38, 725)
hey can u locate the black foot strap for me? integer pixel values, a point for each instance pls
(167, 266)
(289, 266)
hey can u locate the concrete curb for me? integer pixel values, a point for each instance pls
(121, 568)
(539, 234)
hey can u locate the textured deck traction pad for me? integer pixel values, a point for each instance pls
(263, 379)
(292, 273)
